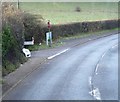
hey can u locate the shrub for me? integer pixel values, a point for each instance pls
(12, 38)
(77, 9)
(12, 17)
(11, 52)
(33, 28)
(6, 70)
(80, 27)
(24, 26)
(16, 27)
(8, 42)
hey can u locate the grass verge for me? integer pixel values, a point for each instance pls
(59, 42)
(1, 81)
(43, 46)
(87, 34)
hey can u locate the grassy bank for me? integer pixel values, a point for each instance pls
(12, 38)
(61, 13)
(58, 42)
(43, 46)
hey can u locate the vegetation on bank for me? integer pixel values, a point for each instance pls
(60, 40)
(12, 41)
(12, 55)
(17, 26)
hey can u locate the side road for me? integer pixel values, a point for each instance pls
(40, 57)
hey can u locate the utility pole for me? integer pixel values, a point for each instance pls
(18, 4)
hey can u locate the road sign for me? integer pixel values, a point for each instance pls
(49, 25)
(48, 38)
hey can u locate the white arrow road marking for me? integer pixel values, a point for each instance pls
(57, 54)
(96, 93)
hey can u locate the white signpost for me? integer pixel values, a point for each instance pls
(49, 35)
(48, 38)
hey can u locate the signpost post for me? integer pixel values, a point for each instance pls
(49, 38)
(49, 35)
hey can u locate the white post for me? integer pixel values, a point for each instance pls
(49, 38)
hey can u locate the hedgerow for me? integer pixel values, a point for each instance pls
(17, 26)
(11, 52)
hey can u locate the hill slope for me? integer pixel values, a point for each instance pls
(65, 12)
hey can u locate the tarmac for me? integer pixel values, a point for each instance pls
(41, 57)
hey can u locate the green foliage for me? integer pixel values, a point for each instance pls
(80, 27)
(11, 52)
(43, 46)
(33, 28)
(7, 69)
(8, 41)
(0, 45)
(16, 26)
(77, 9)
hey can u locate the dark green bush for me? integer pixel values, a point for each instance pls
(77, 9)
(17, 26)
(24, 26)
(11, 52)
(33, 28)
(80, 27)
(8, 42)
(13, 18)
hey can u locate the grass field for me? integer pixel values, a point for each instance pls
(60, 13)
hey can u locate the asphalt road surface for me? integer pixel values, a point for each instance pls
(83, 72)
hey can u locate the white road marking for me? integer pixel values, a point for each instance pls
(114, 46)
(97, 66)
(103, 55)
(96, 69)
(57, 54)
(96, 93)
(90, 80)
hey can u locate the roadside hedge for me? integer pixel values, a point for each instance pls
(11, 52)
(17, 26)
(80, 27)
(72, 29)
